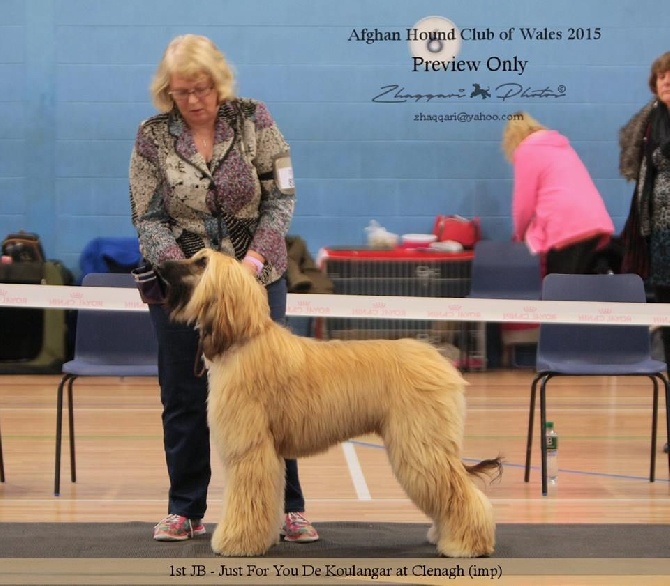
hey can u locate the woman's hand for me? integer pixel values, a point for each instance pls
(254, 262)
(251, 268)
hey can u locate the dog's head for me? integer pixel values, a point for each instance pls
(214, 292)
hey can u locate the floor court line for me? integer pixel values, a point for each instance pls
(356, 472)
(537, 468)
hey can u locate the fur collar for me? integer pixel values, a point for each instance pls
(631, 142)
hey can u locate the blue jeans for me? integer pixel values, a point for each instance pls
(184, 399)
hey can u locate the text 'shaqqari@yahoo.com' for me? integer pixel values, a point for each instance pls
(463, 117)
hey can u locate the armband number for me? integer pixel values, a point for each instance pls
(283, 174)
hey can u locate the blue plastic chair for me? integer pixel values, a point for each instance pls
(119, 343)
(594, 350)
(503, 270)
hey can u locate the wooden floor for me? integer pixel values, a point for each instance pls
(604, 427)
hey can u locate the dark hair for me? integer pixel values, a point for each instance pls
(660, 65)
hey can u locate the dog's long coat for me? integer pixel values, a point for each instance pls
(274, 395)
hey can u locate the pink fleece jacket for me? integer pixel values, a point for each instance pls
(555, 202)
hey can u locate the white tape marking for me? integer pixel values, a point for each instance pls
(356, 472)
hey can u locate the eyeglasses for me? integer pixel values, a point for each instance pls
(183, 95)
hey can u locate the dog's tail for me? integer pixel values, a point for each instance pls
(492, 468)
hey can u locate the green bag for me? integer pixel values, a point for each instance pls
(34, 340)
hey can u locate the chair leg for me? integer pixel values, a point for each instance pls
(70, 411)
(666, 386)
(463, 343)
(543, 425)
(654, 427)
(67, 378)
(531, 416)
(59, 432)
(2, 462)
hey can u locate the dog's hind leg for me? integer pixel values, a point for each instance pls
(252, 504)
(466, 527)
(462, 516)
(438, 484)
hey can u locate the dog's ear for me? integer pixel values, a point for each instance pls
(215, 341)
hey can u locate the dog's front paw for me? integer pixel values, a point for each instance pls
(451, 549)
(225, 544)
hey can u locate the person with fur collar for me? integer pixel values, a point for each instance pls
(645, 159)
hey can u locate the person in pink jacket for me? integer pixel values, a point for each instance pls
(556, 208)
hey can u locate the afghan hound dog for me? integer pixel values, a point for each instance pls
(275, 395)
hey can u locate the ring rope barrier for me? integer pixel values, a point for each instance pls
(365, 307)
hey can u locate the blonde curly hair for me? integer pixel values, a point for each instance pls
(191, 56)
(519, 126)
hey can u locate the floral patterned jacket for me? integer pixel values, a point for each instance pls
(180, 204)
